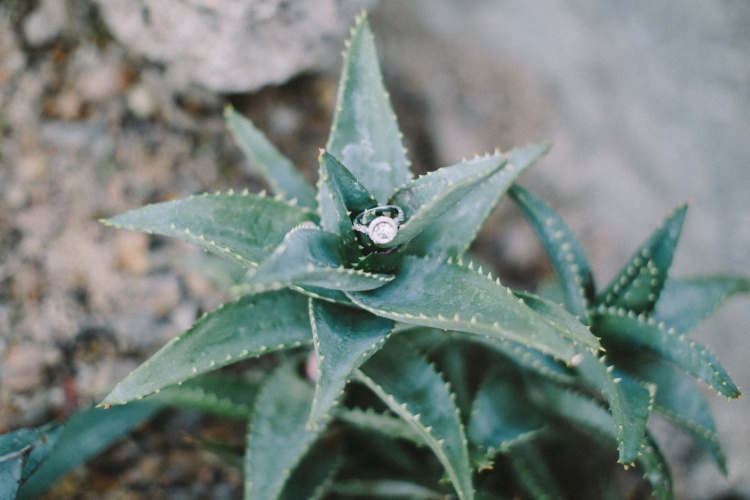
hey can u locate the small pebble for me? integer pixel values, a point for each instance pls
(132, 252)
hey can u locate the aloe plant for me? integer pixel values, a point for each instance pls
(403, 368)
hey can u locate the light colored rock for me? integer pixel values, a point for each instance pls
(165, 295)
(12, 59)
(22, 367)
(232, 46)
(141, 101)
(46, 22)
(100, 82)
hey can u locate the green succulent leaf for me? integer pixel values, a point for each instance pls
(315, 474)
(467, 217)
(563, 250)
(344, 338)
(244, 228)
(629, 401)
(389, 489)
(429, 339)
(309, 256)
(86, 434)
(383, 423)
(364, 134)
(326, 294)
(426, 198)
(680, 401)
(348, 195)
(685, 302)
(558, 317)
(277, 170)
(279, 435)
(637, 287)
(532, 472)
(587, 414)
(655, 469)
(628, 330)
(437, 294)
(22, 452)
(229, 396)
(11, 469)
(454, 360)
(527, 358)
(502, 414)
(251, 326)
(415, 391)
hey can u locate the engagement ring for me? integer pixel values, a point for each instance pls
(384, 227)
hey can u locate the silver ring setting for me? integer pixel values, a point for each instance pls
(383, 228)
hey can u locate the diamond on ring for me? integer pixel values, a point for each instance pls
(383, 228)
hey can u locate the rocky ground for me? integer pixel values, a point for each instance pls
(93, 124)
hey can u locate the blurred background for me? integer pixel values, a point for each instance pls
(106, 105)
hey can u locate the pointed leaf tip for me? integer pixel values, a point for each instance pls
(276, 169)
(344, 338)
(639, 284)
(364, 134)
(251, 326)
(223, 224)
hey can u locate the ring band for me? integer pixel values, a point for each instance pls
(382, 229)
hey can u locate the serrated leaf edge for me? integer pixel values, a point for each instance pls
(703, 351)
(413, 419)
(358, 362)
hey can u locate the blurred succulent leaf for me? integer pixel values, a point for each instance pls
(222, 273)
(365, 135)
(385, 488)
(22, 452)
(384, 423)
(414, 390)
(467, 217)
(533, 472)
(314, 475)
(637, 287)
(436, 294)
(502, 414)
(226, 395)
(563, 249)
(309, 256)
(344, 338)
(526, 357)
(655, 469)
(86, 434)
(426, 198)
(244, 228)
(279, 436)
(685, 302)
(280, 174)
(594, 419)
(11, 469)
(251, 326)
(628, 330)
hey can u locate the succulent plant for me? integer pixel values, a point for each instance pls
(401, 368)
